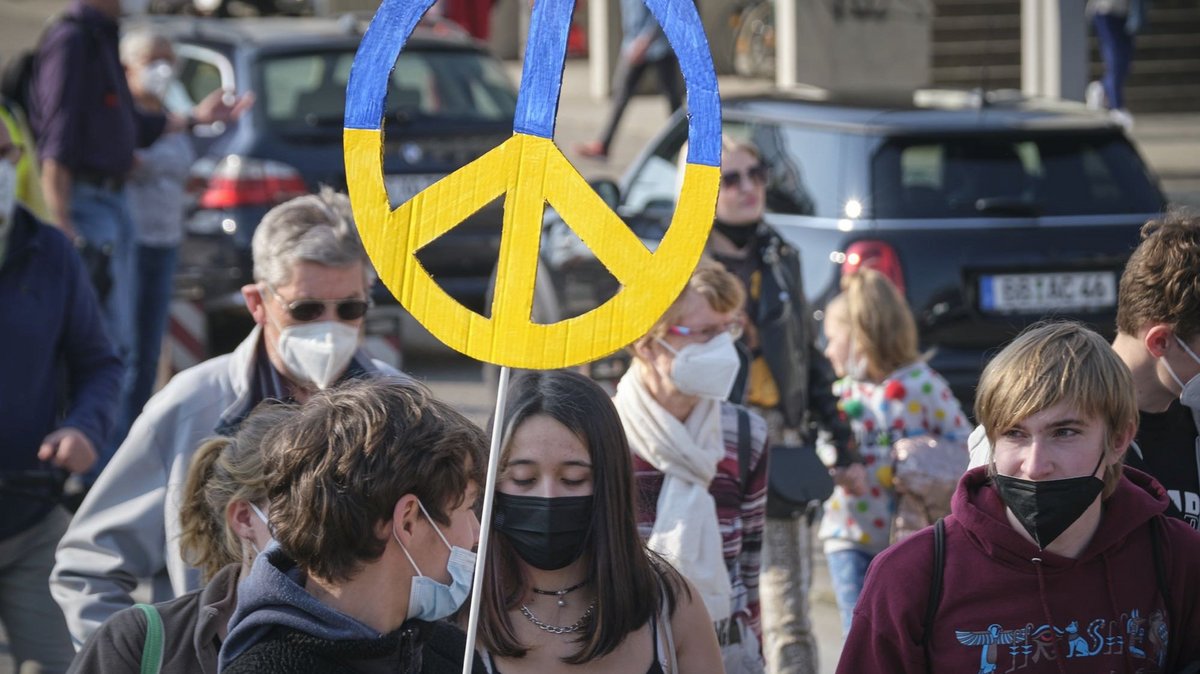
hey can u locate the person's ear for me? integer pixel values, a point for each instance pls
(255, 304)
(240, 518)
(1159, 338)
(405, 515)
(643, 348)
(1122, 441)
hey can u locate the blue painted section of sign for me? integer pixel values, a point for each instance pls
(366, 91)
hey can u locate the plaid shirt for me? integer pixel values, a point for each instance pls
(741, 511)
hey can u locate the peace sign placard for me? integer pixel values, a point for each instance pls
(529, 171)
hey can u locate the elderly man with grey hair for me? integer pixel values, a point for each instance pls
(308, 300)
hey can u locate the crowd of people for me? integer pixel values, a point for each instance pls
(297, 506)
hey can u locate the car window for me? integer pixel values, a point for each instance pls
(309, 90)
(1061, 174)
(805, 169)
(194, 79)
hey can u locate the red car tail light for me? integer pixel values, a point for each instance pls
(240, 181)
(878, 255)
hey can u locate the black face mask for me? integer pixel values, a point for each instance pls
(1049, 507)
(738, 235)
(548, 533)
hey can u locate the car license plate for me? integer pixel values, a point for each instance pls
(405, 186)
(1033, 293)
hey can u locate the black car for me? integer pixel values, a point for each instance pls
(989, 212)
(448, 103)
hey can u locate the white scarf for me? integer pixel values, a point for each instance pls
(686, 531)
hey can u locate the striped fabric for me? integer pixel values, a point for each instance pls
(741, 513)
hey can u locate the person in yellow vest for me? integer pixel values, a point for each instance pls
(29, 179)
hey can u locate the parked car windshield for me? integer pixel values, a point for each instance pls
(308, 91)
(1031, 175)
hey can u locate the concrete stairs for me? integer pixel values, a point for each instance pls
(978, 43)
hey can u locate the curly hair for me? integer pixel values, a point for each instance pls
(224, 470)
(1160, 283)
(336, 469)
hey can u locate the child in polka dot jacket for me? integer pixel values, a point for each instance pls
(887, 392)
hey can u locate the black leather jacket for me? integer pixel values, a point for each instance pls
(788, 344)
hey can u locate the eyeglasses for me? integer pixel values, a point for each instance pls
(310, 310)
(734, 328)
(757, 175)
(11, 152)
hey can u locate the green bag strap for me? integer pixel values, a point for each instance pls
(152, 652)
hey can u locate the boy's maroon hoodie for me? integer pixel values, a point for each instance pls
(1008, 607)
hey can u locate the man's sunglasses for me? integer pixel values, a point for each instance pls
(757, 175)
(304, 311)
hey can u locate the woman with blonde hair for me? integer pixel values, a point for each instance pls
(223, 525)
(888, 393)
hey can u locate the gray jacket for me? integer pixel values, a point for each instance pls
(128, 526)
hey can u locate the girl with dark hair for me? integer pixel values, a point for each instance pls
(570, 584)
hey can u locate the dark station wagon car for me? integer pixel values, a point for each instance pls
(990, 213)
(449, 101)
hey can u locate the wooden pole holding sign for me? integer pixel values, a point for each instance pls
(529, 171)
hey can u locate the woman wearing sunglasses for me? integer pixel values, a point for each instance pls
(789, 382)
(699, 507)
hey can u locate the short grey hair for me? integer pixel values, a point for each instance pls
(139, 43)
(313, 228)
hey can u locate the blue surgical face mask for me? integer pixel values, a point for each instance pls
(263, 517)
(430, 600)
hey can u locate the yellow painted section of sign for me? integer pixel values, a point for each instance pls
(529, 171)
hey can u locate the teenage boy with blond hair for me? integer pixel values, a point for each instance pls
(1158, 339)
(1055, 558)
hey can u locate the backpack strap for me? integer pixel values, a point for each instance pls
(744, 453)
(152, 651)
(1160, 569)
(935, 587)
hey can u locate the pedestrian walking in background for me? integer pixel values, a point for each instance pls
(223, 528)
(1116, 22)
(361, 581)
(701, 491)
(1054, 552)
(570, 584)
(888, 392)
(644, 47)
(1158, 339)
(790, 384)
(87, 127)
(309, 298)
(157, 191)
(59, 380)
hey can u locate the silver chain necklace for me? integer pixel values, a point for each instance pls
(555, 629)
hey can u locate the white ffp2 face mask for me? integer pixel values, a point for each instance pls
(1189, 393)
(707, 370)
(318, 352)
(156, 78)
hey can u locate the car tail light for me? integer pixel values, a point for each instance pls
(240, 181)
(878, 255)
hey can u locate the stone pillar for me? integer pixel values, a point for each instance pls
(850, 45)
(1054, 56)
(604, 44)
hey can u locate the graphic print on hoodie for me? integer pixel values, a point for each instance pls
(1008, 607)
